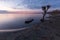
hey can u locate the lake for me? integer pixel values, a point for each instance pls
(13, 21)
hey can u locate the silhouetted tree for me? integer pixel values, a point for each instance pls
(48, 6)
(45, 9)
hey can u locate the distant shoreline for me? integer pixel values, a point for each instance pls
(29, 11)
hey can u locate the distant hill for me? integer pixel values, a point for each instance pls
(3, 11)
(54, 12)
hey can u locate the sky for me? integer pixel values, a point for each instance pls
(10, 5)
(7, 4)
(15, 5)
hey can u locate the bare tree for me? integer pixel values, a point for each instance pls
(45, 9)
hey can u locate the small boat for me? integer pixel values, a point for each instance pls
(29, 21)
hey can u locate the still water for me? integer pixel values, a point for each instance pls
(13, 21)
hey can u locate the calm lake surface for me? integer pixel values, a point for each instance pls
(13, 21)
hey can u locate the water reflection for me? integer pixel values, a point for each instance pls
(12, 21)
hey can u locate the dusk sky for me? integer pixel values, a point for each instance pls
(8, 4)
(13, 5)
